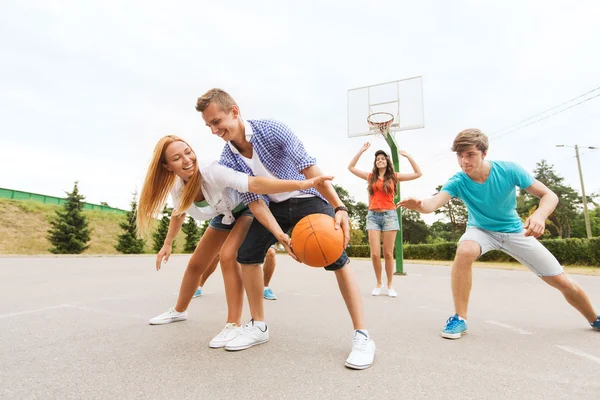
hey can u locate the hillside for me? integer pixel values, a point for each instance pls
(23, 227)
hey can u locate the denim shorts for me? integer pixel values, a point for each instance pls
(217, 222)
(382, 221)
(525, 249)
(287, 213)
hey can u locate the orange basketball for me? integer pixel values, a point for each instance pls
(316, 242)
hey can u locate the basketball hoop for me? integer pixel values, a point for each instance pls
(381, 121)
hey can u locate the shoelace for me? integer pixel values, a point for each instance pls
(359, 342)
(226, 330)
(452, 323)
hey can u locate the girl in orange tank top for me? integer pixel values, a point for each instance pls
(382, 217)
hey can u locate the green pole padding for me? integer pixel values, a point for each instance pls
(398, 245)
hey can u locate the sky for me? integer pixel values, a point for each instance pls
(87, 88)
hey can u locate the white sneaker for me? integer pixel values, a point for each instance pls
(230, 332)
(251, 335)
(363, 351)
(392, 293)
(168, 317)
(376, 291)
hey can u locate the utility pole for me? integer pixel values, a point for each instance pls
(588, 227)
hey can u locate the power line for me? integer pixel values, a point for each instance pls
(544, 112)
(546, 117)
(496, 134)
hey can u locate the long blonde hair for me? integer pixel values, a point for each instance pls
(157, 185)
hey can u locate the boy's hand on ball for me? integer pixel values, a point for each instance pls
(286, 242)
(342, 221)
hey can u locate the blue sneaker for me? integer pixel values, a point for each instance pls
(455, 328)
(198, 293)
(596, 324)
(269, 295)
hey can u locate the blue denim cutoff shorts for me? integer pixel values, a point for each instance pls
(382, 221)
(217, 222)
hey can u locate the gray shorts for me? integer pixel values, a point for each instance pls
(525, 249)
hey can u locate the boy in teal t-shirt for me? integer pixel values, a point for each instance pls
(488, 189)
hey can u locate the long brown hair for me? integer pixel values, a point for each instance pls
(389, 177)
(159, 182)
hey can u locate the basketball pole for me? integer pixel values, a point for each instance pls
(389, 138)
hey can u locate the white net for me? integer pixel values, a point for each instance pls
(380, 122)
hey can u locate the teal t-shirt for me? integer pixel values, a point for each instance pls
(492, 204)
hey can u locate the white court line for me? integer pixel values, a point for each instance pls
(512, 328)
(579, 353)
(12, 314)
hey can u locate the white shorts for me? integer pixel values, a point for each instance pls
(525, 249)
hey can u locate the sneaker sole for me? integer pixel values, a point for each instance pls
(167, 321)
(244, 347)
(217, 345)
(359, 367)
(453, 335)
(267, 298)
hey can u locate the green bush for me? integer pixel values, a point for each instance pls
(567, 251)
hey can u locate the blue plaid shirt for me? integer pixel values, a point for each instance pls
(278, 148)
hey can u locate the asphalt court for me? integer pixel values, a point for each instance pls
(77, 327)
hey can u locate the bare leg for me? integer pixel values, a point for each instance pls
(234, 291)
(205, 253)
(574, 294)
(211, 268)
(388, 253)
(375, 243)
(351, 294)
(462, 275)
(269, 266)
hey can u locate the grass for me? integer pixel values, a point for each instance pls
(23, 227)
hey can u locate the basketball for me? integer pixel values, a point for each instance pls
(316, 242)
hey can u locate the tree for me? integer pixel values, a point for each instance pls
(414, 229)
(128, 242)
(578, 225)
(357, 213)
(161, 231)
(192, 235)
(559, 223)
(440, 232)
(456, 212)
(69, 232)
(347, 200)
(361, 211)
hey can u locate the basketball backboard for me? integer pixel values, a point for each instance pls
(402, 98)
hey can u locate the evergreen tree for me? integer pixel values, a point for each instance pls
(69, 232)
(128, 242)
(203, 228)
(192, 235)
(163, 228)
